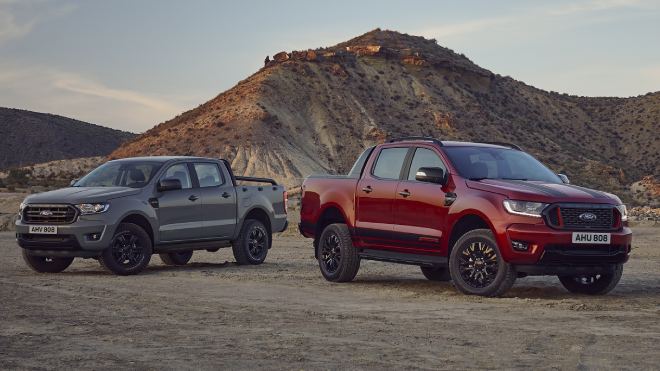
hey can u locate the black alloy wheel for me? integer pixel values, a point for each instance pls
(478, 264)
(257, 242)
(129, 251)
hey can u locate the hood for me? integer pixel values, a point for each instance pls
(542, 191)
(76, 195)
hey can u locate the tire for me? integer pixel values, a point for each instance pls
(436, 273)
(477, 267)
(252, 244)
(176, 258)
(338, 259)
(129, 252)
(599, 284)
(43, 264)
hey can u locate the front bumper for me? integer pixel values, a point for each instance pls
(553, 248)
(71, 239)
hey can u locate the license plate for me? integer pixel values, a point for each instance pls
(591, 238)
(43, 229)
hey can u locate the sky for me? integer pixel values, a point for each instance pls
(131, 64)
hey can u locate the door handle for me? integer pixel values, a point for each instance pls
(226, 195)
(367, 189)
(404, 193)
(193, 198)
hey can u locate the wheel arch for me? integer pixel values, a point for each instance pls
(261, 215)
(330, 214)
(468, 221)
(141, 221)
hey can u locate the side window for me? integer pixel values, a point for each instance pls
(424, 158)
(179, 171)
(389, 163)
(208, 175)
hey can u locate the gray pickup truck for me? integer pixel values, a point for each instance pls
(125, 210)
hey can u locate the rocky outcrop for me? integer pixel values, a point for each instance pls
(645, 214)
(647, 191)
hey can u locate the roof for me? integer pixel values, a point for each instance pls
(164, 158)
(451, 143)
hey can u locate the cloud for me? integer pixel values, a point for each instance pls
(78, 85)
(17, 19)
(10, 28)
(85, 98)
(530, 18)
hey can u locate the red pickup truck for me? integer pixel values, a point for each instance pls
(478, 214)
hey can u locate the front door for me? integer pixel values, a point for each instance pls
(375, 197)
(179, 211)
(218, 200)
(419, 208)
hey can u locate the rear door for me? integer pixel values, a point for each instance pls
(419, 207)
(218, 199)
(179, 212)
(375, 196)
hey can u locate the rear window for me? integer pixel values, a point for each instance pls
(389, 163)
(357, 168)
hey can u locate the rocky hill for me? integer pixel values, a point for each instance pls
(30, 137)
(314, 111)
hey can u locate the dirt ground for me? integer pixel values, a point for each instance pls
(283, 315)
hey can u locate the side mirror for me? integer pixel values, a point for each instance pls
(431, 175)
(564, 178)
(169, 184)
(73, 182)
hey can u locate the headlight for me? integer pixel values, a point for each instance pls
(526, 208)
(87, 209)
(623, 211)
(21, 207)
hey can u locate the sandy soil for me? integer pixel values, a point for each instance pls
(283, 315)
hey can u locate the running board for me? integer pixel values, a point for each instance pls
(402, 258)
(196, 245)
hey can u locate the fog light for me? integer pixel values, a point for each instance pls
(94, 236)
(520, 245)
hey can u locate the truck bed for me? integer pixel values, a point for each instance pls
(326, 190)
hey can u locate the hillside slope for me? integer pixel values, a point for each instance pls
(30, 137)
(314, 111)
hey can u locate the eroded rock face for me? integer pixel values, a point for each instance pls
(317, 110)
(281, 57)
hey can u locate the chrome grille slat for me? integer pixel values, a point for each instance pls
(61, 214)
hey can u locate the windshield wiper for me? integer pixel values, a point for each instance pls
(524, 179)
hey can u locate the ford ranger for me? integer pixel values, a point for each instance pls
(478, 214)
(125, 210)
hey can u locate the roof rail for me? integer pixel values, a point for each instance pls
(505, 144)
(428, 139)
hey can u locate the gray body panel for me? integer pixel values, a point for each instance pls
(197, 214)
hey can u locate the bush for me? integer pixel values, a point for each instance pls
(18, 177)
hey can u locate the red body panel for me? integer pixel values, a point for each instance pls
(421, 221)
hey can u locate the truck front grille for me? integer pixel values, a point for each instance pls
(583, 217)
(49, 214)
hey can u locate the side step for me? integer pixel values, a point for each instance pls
(402, 258)
(212, 245)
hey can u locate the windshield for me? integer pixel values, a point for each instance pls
(478, 163)
(134, 174)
